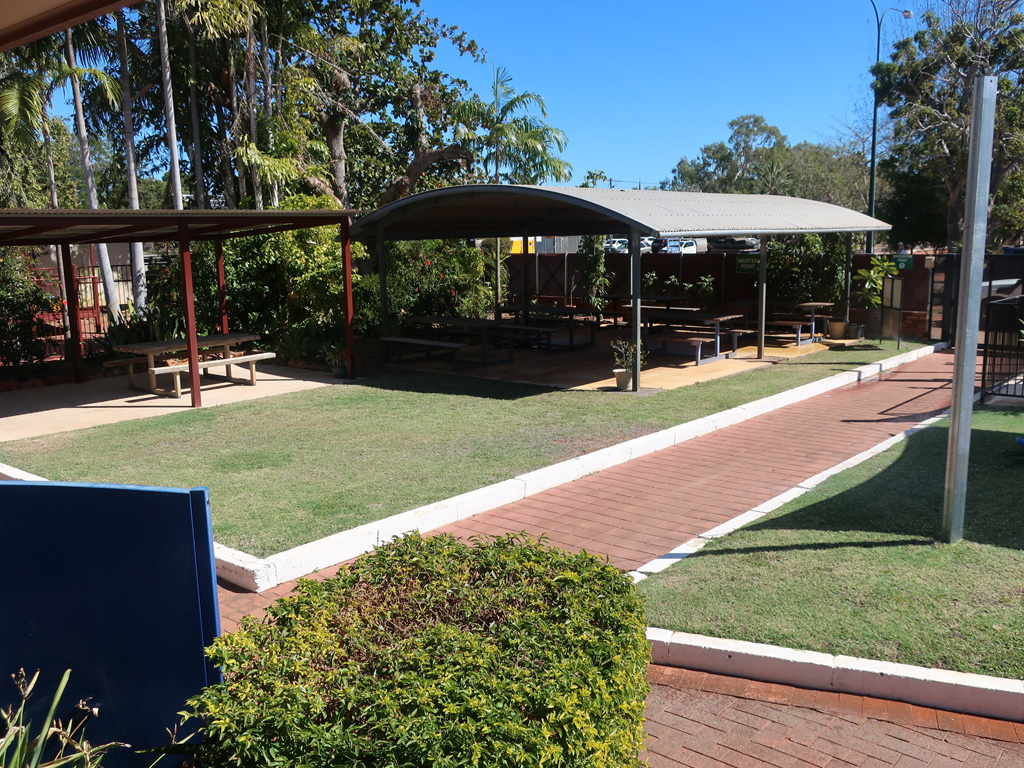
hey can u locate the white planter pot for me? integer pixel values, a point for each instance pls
(623, 377)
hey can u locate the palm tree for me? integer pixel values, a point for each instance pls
(106, 273)
(138, 263)
(522, 144)
(172, 131)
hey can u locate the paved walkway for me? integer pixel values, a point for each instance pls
(699, 720)
(640, 510)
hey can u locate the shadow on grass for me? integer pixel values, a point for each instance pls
(444, 384)
(906, 497)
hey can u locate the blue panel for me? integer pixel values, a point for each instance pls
(117, 583)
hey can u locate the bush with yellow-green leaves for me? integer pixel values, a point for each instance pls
(435, 652)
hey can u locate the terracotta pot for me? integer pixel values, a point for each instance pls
(837, 329)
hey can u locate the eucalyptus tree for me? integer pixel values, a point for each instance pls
(929, 84)
(754, 145)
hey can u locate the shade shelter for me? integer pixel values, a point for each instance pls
(23, 227)
(492, 210)
(22, 21)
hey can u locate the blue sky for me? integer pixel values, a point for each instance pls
(638, 85)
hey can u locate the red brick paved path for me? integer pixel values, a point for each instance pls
(706, 721)
(642, 509)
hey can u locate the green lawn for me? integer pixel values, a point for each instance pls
(286, 470)
(856, 566)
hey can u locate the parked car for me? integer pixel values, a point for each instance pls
(673, 245)
(616, 245)
(734, 243)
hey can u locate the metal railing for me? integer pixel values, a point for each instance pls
(93, 317)
(1002, 371)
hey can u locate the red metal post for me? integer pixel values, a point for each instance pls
(346, 261)
(222, 295)
(184, 248)
(74, 349)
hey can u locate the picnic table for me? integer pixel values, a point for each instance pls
(686, 317)
(812, 307)
(477, 329)
(570, 317)
(216, 351)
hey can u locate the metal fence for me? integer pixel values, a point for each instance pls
(92, 312)
(1002, 370)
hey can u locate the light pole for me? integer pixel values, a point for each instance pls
(874, 119)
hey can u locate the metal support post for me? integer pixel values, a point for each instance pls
(979, 170)
(635, 283)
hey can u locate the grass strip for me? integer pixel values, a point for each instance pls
(857, 567)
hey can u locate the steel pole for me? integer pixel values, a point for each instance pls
(635, 284)
(979, 171)
(762, 294)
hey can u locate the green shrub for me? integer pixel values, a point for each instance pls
(55, 744)
(20, 301)
(434, 652)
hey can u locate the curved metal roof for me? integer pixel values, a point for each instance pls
(492, 210)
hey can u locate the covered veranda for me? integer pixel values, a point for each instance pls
(515, 211)
(64, 228)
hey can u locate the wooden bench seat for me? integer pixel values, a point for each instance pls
(424, 345)
(176, 369)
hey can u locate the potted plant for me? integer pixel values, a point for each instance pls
(334, 356)
(870, 291)
(624, 355)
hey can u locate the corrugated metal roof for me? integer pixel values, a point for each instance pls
(490, 210)
(46, 226)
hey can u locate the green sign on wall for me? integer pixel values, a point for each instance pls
(903, 260)
(748, 263)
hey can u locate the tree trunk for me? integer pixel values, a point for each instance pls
(334, 127)
(236, 120)
(172, 131)
(106, 273)
(138, 262)
(51, 182)
(250, 98)
(226, 169)
(193, 99)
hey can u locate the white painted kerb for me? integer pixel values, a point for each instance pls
(980, 695)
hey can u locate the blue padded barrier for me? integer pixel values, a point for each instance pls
(118, 584)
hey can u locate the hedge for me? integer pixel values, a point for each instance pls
(435, 652)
